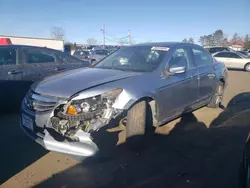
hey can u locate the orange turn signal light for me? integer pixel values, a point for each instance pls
(71, 110)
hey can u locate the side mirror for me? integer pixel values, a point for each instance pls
(177, 70)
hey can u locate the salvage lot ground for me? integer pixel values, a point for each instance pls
(184, 153)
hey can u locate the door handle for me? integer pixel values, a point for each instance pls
(59, 69)
(14, 72)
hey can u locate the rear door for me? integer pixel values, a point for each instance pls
(10, 76)
(40, 63)
(207, 80)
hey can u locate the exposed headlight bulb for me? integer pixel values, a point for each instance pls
(85, 107)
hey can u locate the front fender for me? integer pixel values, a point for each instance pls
(126, 100)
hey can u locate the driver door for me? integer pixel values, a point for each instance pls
(179, 91)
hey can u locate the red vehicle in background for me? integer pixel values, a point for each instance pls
(5, 41)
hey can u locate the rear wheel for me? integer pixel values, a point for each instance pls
(93, 62)
(218, 96)
(247, 67)
(139, 125)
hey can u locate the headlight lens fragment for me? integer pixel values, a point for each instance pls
(94, 103)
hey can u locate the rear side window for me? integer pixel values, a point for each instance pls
(234, 55)
(7, 56)
(218, 49)
(201, 57)
(39, 57)
(228, 55)
(223, 54)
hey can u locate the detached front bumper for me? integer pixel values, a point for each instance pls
(82, 148)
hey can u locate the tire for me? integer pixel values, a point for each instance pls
(216, 99)
(93, 62)
(139, 126)
(247, 67)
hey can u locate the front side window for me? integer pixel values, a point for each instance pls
(179, 58)
(7, 56)
(135, 58)
(201, 57)
(40, 57)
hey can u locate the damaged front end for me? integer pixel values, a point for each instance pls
(85, 115)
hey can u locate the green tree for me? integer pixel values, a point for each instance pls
(73, 46)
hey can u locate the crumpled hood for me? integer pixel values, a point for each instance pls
(68, 83)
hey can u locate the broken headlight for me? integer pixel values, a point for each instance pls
(95, 103)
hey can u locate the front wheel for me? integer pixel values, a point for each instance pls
(93, 62)
(139, 125)
(247, 67)
(216, 99)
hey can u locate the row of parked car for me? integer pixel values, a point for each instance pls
(93, 56)
(232, 59)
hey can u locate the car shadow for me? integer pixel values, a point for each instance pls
(191, 155)
(17, 150)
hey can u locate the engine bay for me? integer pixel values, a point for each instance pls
(87, 115)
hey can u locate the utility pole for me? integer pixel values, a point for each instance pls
(103, 34)
(129, 37)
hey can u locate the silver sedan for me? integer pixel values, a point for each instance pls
(233, 60)
(142, 86)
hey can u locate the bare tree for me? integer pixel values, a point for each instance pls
(247, 42)
(191, 40)
(202, 40)
(57, 33)
(91, 41)
(235, 39)
(185, 40)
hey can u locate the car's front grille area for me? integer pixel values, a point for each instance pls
(39, 103)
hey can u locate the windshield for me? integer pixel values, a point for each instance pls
(134, 58)
(81, 53)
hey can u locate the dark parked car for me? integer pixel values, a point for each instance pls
(141, 85)
(218, 49)
(98, 55)
(21, 65)
(82, 54)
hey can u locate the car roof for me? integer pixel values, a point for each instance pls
(164, 44)
(27, 46)
(216, 47)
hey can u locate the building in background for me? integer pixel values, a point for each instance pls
(41, 42)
